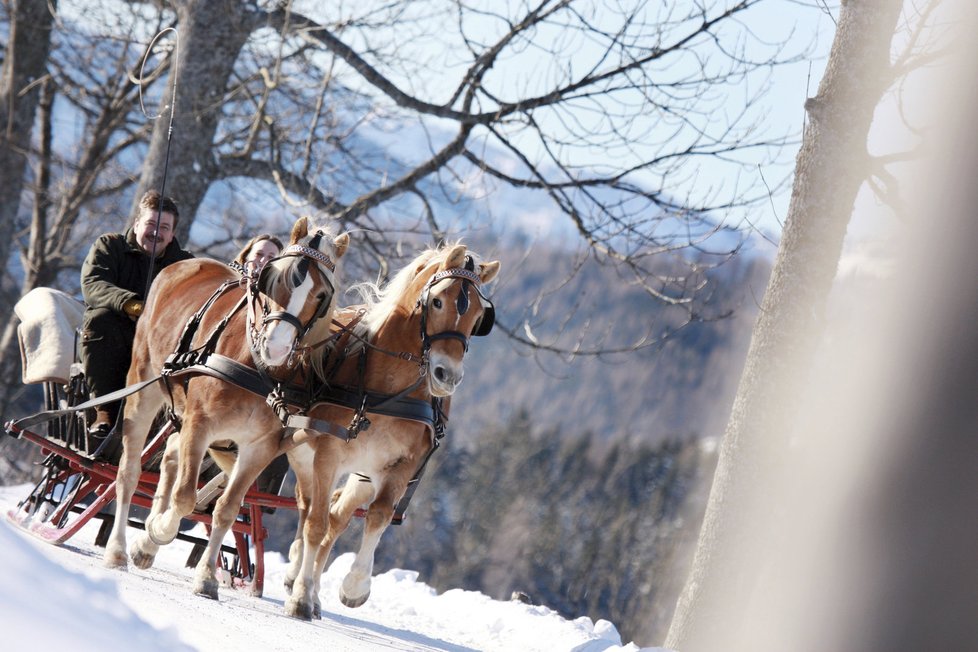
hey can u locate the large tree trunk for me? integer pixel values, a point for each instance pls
(24, 64)
(212, 33)
(25, 61)
(830, 168)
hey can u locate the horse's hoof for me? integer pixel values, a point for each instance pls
(154, 535)
(353, 603)
(299, 610)
(141, 559)
(116, 559)
(206, 588)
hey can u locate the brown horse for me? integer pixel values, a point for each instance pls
(270, 326)
(407, 350)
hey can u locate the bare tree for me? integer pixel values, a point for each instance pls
(522, 96)
(832, 165)
(402, 118)
(24, 67)
(606, 119)
(103, 98)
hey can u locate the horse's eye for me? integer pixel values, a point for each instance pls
(436, 302)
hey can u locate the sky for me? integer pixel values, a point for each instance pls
(62, 598)
(804, 26)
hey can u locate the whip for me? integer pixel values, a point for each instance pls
(169, 133)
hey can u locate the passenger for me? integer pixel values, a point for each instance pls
(258, 251)
(113, 283)
(249, 261)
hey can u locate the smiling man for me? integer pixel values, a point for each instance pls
(113, 282)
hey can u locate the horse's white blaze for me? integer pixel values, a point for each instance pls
(280, 335)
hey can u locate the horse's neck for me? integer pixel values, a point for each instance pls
(387, 371)
(234, 342)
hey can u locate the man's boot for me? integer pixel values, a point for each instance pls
(100, 429)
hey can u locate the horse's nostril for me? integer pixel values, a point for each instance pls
(440, 374)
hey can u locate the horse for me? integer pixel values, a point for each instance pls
(405, 347)
(270, 324)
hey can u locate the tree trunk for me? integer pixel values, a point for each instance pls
(829, 170)
(25, 61)
(212, 33)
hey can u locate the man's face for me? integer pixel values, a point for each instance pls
(145, 227)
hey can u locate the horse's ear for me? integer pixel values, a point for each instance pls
(341, 242)
(488, 271)
(299, 230)
(455, 257)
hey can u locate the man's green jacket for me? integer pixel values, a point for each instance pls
(116, 267)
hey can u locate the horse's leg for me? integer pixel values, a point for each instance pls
(251, 460)
(163, 528)
(359, 490)
(301, 461)
(295, 548)
(140, 410)
(355, 588)
(305, 591)
(144, 554)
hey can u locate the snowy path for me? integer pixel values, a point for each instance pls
(52, 594)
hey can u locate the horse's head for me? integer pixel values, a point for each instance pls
(453, 307)
(297, 292)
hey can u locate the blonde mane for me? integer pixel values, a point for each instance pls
(381, 301)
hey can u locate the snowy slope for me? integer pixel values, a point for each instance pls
(62, 596)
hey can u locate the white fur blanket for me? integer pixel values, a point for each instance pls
(48, 320)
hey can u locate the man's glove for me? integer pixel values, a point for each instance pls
(133, 308)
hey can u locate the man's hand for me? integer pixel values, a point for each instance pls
(133, 308)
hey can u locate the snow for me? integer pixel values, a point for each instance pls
(63, 596)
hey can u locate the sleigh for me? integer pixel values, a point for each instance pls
(78, 470)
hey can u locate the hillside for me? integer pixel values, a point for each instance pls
(680, 388)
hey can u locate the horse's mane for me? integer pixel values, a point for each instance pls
(381, 301)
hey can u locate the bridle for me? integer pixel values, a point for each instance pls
(467, 275)
(259, 295)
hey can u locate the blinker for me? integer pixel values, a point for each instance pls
(484, 327)
(462, 303)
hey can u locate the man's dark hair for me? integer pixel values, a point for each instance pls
(152, 201)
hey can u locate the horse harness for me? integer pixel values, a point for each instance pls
(292, 403)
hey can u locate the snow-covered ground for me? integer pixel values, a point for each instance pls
(62, 596)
